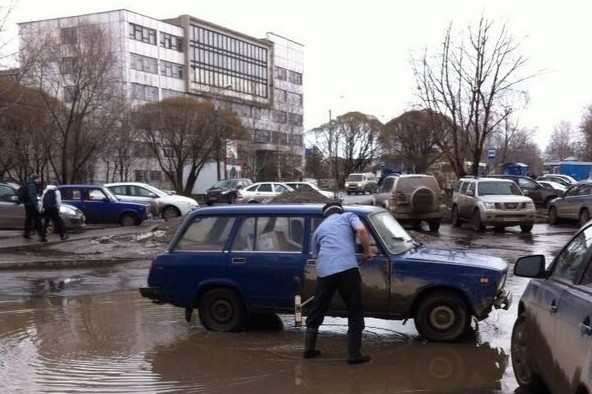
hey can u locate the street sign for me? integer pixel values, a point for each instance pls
(491, 154)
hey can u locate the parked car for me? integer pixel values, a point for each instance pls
(553, 185)
(551, 346)
(361, 183)
(231, 262)
(99, 205)
(412, 198)
(12, 214)
(336, 196)
(565, 180)
(226, 190)
(574, 205)
(162, 204)
(541, 195)
(261, 192)
(491, 202)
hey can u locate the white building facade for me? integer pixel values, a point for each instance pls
(260, 80)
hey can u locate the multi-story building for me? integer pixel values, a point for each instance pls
(260, 80)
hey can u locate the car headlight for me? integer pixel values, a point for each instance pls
(530, 205)
(67, 211)
(489, 205)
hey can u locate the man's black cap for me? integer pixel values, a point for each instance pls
(332, 207)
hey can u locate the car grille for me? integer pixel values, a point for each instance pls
(510, 206)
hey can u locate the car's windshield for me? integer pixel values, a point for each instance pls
(393, 235)
(498, 188)
(355, 177)
(224, 184)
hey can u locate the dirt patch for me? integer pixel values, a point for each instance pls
(300, 196)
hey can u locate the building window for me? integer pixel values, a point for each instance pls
(144, 63)
(170, 41)
(279, 116)
(144, 92)
(167, 93)
(295, 119)
(219, 60)
(172, 70)
(141, 33)
(69, 36)
(294, 77)
(295, 98)
(69, 94)
(262, 136)
(280, 95)
(69, 65)
(281, 73)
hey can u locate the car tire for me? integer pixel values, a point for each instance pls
(548, 201)
(553, 215)
(477, 223)
(521, 360)
(584, 216)
(434, 225)
(442, 317)
(128, 219)
(170, 212)
(456, 222)
(222, 310)
(526, 228)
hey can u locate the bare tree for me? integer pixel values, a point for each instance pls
(469, 85)
(410, 139)
(563, 142)
(349, 143)
(184, 134)
(73, 68)
(586, 133)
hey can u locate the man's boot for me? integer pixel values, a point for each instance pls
(354, 345)
(310, 343)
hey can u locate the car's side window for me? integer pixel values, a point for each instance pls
(139, 191)
(270, 234)
(569, 262)
(119, 190)
(206, 233)
(6, 193)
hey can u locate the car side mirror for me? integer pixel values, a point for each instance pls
(14, 198)
(152, 195)
(239, 187)
(531, 266)
(470, 193)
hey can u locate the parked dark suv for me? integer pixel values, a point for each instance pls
(541, 195)
(225, 190)
(231, 262)
(551, 340)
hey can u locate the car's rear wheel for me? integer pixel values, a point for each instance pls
(442, 317)
(434, 224)
(477, 223)
(128, 219)
(584, 216)
(521, 359)
(456, 222)
(552, 215)
(170, 212)
(222, 310)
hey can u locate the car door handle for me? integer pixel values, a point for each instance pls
(311, 262)
(553, 308)
(238, 260)
(585, 328)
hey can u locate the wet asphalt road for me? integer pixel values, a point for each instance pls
(86, 329)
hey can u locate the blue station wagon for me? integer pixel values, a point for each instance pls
(233, 261)
(99, 205)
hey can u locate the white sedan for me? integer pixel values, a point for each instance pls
(261, 192)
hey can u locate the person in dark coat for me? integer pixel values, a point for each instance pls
(52, 201)
(32, 214)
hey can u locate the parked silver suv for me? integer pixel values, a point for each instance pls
(412, 198)
(491, 202)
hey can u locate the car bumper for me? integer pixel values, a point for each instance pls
(151, 292)
(503, 300)
(507, 219)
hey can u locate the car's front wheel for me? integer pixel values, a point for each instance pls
(170, 212)
(552, 215)
(455, 217)
(584, 216)
(442, 317)
(526, 228)
(222, 310)
(128, 219)
(477, 223)
(434, 224)
(521, 359)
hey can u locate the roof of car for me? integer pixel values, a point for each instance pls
(275, 209)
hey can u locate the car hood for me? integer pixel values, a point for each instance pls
(457, 257)
(505, 198)
(178, 199)
(217, 189)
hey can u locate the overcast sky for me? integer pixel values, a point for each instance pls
(357, 53)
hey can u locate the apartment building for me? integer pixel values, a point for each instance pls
(259, 79)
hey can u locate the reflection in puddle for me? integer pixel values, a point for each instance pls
(118, 342)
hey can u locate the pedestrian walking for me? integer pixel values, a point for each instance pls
(51, 202)
(333, 245)
(32, 214)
